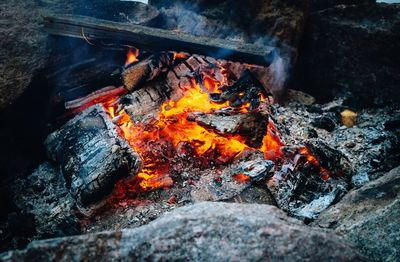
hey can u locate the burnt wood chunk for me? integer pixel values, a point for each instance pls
(252, 125)
(304, 194)
(154, 39)
(146, 70)
(247, 90)
(330, 158)
(91, 155)
(145, 101)
(230, 181)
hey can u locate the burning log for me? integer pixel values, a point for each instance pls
(215, 185)
(101, 95)
(252, 125)
(146, 70)
(153, 39)
(145, 101)
(91, 155)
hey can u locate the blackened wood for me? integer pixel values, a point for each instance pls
(330, 158)
(91, 155)
(145, 101)
(252, 125)
(246, 90)
(154, 39)
(146, 70)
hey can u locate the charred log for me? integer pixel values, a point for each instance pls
(146, 70)
(154, 39)
(305, 195)
(146, 100)
(91, 155)
(252, 125)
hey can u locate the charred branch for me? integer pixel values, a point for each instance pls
(153, 39)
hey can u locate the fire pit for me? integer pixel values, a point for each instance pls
(142, 120)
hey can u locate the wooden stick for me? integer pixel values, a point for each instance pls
(153, 39)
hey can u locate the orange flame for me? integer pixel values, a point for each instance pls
(180, 55)
(241, 178)
(131, 56)
(172, 129)
(159, 142)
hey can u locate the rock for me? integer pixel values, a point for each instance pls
(324, 4)
(352, 50)
(201, 232)
(369, 217)
(349, 118)
(258, 193)
(324, 122)
(298, 97)
(24, 46)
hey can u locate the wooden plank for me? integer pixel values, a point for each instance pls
(154, 39)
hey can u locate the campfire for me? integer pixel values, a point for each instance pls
(181, 120)
(199, 130)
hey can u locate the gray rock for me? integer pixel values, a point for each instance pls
(202, 232)
(324, 4)
(353, 50)
(369, 217)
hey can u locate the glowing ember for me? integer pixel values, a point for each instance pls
(180, 55)
(241, 178)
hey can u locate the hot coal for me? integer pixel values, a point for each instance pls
(330, 158)
(91, 155)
